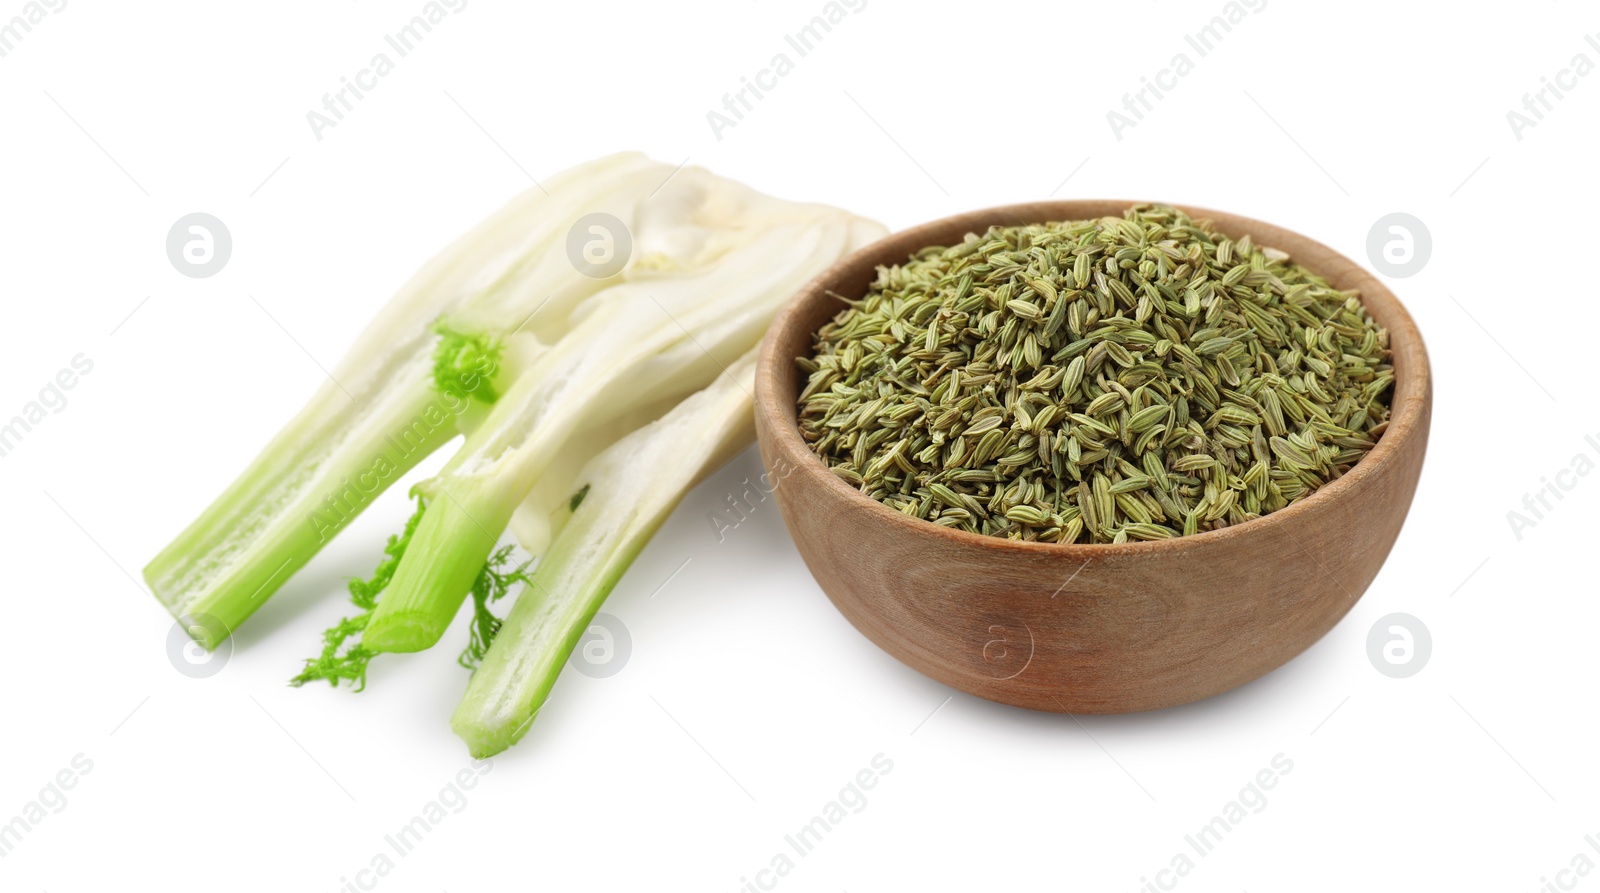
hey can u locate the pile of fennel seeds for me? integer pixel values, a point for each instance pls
(1096, 381)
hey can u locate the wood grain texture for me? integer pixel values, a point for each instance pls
(1092, 628)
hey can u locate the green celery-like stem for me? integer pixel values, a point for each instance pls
(633, 487)
(411, 616)
(302, 490)
(451, 546)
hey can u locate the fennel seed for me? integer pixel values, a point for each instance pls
(1122, 379)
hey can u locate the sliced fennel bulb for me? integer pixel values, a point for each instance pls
(622, 390)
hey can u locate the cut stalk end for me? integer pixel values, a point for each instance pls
(402, 633)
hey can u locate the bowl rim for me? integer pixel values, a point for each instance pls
(780, 414)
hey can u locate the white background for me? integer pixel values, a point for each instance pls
(748, 702)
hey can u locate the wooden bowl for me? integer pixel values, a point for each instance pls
(1091, 628)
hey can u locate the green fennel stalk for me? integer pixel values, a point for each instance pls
(630, 490)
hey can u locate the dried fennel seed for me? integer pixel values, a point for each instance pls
(1096, 381)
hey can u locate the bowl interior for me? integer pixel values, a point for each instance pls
(778, 381)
